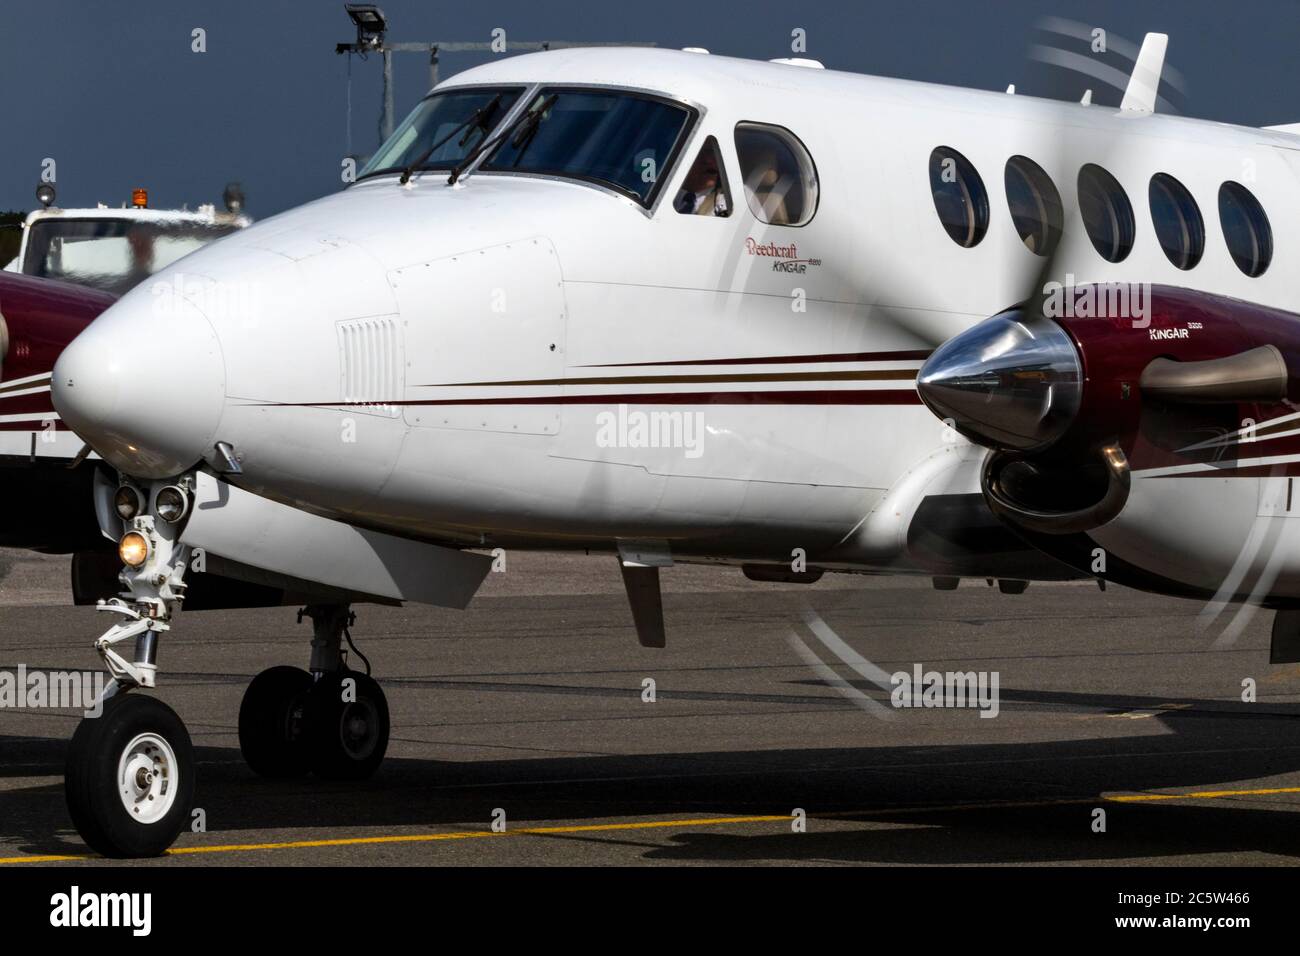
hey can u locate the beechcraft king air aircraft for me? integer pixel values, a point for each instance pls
(681, 307)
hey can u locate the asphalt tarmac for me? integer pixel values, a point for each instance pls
(766, 741)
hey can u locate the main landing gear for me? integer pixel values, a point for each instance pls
(130, 775)
(332, 722)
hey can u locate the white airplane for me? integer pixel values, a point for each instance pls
(674, 306)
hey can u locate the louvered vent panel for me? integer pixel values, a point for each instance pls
(370, 360)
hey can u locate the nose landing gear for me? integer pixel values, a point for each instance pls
(129, 777)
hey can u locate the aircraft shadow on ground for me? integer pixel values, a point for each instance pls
(976, 803)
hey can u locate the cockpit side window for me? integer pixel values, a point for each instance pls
(779, 176)
(704, 190)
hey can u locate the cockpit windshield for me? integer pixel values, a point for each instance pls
(621, 140)
(454, 122)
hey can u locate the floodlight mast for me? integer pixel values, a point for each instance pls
(372, 28)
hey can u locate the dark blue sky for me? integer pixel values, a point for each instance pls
(114, 94)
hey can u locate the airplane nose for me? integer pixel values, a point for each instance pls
(144, 384)
(1010, 382)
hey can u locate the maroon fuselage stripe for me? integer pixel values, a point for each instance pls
(866, 396)
(717, 378)
(35, 403)
(901, 356)
(34, 425)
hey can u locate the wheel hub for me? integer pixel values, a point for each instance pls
(358, 729)
(148, 778)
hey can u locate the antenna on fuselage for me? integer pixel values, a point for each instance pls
(1144, 83)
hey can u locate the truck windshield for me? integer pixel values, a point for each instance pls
(434, 120)
(112, 254)
(625, 141)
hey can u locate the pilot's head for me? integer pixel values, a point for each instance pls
(704, 173)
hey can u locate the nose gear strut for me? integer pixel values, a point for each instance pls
(129, 779)
(157, 590)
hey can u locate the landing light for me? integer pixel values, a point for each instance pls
(171, 504)
(127, 502)
(133, 549)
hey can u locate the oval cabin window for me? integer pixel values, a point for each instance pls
(1107, 213)
(959, 196)
(1245, 229)
(1177, 220)
(1035, 205)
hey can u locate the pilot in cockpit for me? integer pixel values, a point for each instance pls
(703, 191)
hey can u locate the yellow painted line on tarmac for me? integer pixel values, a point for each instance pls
(427, 837)
(665, 824)
(1200, 795)
(475, 834)
(45, 859)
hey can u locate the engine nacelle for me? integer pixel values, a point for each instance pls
(1123, 387)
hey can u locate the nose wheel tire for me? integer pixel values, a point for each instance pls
(129, 780)
(348, 726)
(272, 723)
